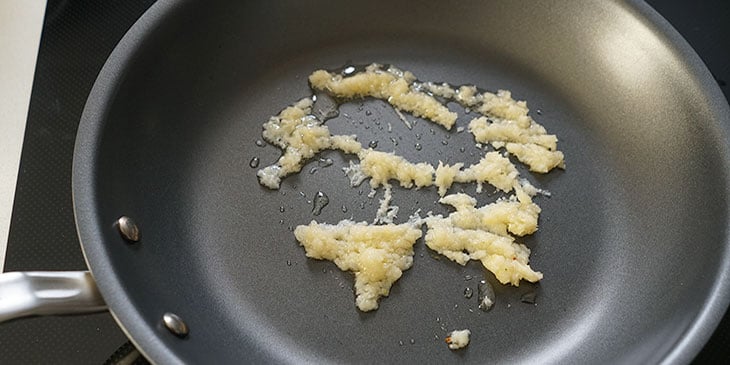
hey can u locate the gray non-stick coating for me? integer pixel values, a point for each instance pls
(632, 243)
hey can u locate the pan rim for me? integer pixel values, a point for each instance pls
(88, 229)
(716, 304)
(144, 337)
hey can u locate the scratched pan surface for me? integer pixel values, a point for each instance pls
(632, 243)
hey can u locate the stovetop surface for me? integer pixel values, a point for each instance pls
(77, 38)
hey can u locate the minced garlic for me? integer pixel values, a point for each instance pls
(383, 166)
(494, 169)
(537, 157)
(503, 130)
(501, 255)
(388, 85)
(508, 124)
(301, 135)
(377, 255)
(516, 215)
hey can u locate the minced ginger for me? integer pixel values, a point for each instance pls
(378, 254)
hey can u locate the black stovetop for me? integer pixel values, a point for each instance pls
(77, 38)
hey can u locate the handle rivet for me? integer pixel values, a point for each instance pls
(128, 228)
(175, 324)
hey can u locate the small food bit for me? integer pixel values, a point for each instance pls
(532, 190)
(355, 174)
(445, 175)
(458, 339)
(390, 85)
(377, 255)
(468, 96)
(443, 90)
(537, 157)
(383, 166)
(386, 213)
(486, 296)
(270, 176)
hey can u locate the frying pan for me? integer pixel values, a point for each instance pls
(632, 242)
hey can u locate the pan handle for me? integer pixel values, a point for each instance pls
(33, 293)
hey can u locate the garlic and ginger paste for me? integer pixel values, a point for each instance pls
(378, 253)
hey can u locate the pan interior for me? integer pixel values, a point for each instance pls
(631, 242)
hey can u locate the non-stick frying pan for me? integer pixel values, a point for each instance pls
(633, 241)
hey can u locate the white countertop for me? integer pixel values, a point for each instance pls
(21, 22)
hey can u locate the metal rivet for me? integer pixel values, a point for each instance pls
(128, 229)
(175, 324)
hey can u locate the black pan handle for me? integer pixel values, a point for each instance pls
(33, 293)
